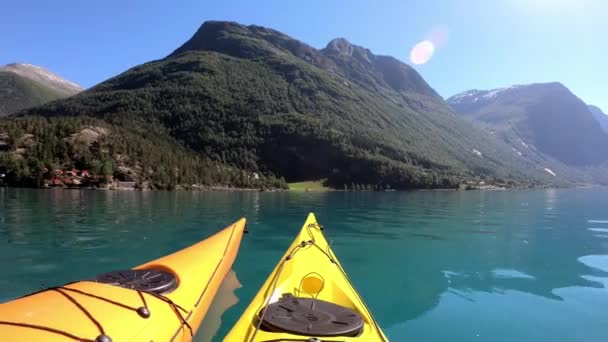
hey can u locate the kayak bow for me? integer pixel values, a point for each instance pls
(162, 300)
(308, 297)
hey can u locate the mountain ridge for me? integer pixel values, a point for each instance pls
(224, 37)
(259, 100)
(546, 115)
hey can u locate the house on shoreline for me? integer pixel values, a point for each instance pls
(74, 178)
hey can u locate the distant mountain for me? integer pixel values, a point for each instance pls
(25, 85)
(600, 116)
(44, 77)
(546, 117)
(257, 99)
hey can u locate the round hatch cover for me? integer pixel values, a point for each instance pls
(149, 280)
(297, 315)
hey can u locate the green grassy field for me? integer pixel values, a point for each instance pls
(315, 185)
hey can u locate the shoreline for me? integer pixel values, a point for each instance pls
(191, 189)
(232, 189)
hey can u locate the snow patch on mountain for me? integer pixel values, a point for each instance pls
(516, 151)
(469, 95)
(476, 95)
(499, 91)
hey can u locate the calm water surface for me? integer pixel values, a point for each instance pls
(432, 266)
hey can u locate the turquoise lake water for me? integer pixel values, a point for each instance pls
(432, 266)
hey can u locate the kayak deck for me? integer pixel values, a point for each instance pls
(308, 291)
(101, 312)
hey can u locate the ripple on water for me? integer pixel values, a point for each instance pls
(599, 262)
(42, 268)
(504, 273)
(598, 280)
(600, 230)
(86, 238)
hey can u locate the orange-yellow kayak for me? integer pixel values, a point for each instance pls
(162, 300)
(308, 297)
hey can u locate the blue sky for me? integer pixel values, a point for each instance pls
(489, 44)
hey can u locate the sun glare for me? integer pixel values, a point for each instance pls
(422, 52)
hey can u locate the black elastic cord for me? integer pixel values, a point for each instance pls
(280, 269)
(96, 297)
(181, 318)
(51, 330)
(142, 299)
(175, 307)
(85, 311)
(167, 300)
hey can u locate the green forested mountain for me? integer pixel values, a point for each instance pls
(261, 101)
(25, 85)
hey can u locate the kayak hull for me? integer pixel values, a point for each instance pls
(308, 263)
(88, 310)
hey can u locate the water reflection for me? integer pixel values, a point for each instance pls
(525, 250)
(224, 299)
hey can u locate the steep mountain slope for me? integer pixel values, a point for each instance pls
(260, 100)
(600, 116)
(545, 117)
(25, 85)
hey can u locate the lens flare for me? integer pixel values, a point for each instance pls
(438, 35)
(422, 52)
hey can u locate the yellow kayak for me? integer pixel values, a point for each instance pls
(163, 300)
(308, 297)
